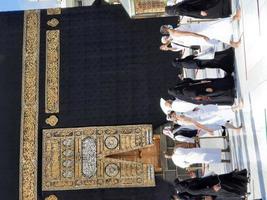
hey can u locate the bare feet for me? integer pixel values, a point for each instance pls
(238, 129)
(237, 16)
(228, 125)
(239, 106)
(241, 103)
(235, 44)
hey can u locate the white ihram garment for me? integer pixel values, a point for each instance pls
(211, 116)
(184, 157)
(177, 106)
(182, 106)
(221, 29)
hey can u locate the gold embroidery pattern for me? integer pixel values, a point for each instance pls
(149, 6)
(54, 11)
(51, 197)
(81, 158)
(29, 107)
(52, 71)
(53, 22)
(52, 120)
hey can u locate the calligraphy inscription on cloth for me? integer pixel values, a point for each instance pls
(52, 71)
(29, 106)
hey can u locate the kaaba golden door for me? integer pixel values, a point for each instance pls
(85, 158)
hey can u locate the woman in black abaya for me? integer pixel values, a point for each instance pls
(226, 186)
(203, 9)
(205, 91)
(222, 59)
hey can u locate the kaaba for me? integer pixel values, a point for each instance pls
(80, 90)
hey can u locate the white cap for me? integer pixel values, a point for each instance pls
(164, 108)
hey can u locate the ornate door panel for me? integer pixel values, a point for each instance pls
(80, 158)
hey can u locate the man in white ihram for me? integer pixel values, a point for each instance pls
(184, 157)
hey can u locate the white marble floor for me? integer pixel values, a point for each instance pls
(249, 148)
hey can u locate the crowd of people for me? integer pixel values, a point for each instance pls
(200, 107)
